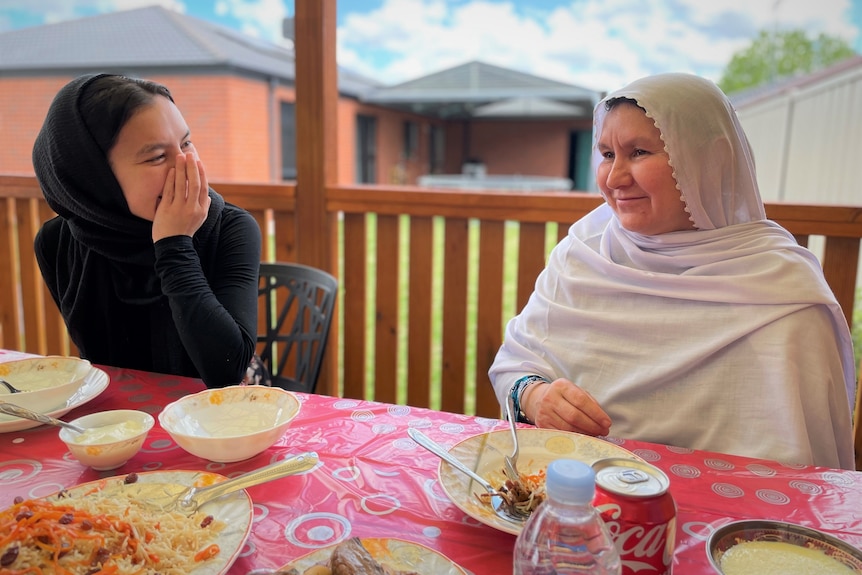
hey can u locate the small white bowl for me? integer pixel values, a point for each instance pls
(123, 435)
(46, 383)
(231, 423)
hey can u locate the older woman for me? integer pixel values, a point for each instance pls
(676, 312)
(150, 268)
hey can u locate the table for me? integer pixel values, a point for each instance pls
(374, 481)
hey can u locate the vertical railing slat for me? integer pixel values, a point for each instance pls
(563, 230)
(386, 316)
(531, 259)
(328, 380)
(419, 313)
(455, 260)
(284, 236)
(489, 315)
(353, 283)
(840, 261)
(35, 328)
(262, 218)
(9, 314)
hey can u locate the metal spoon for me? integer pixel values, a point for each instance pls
(511, 461)
(497, 502)
(172, 496)
(23, 412)
(9, 386)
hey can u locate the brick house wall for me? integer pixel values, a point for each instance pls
(229, 118)
(235, 125)
(514, 147)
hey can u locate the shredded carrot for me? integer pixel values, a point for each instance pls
(56, 529)
(98, 535)
(207, 553)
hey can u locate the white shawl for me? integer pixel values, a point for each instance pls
(725, 338)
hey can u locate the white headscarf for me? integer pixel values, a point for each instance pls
(707, 147)
(725, 338)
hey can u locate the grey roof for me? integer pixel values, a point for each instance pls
(460, 91)
(154, 40)
(149, 38)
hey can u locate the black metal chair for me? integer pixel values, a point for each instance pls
(297, 304)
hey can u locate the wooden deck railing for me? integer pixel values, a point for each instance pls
(419, 327)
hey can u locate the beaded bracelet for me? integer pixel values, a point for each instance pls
(518, 391)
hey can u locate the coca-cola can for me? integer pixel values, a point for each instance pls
(634, 499)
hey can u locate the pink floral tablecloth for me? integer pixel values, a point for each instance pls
(374, 481)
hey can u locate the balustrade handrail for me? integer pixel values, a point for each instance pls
(441, 247)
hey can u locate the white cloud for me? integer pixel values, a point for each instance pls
(258, 18)
(598, 44)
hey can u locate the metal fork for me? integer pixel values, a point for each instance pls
(511, 461)
(498, 501)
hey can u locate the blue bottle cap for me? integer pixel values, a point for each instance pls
(570, 481)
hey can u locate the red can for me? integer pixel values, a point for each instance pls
(634, 500)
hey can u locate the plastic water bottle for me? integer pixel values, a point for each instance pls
(565, 535)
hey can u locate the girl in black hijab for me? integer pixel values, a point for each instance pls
(150, 268)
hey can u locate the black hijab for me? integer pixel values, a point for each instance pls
(101, 245)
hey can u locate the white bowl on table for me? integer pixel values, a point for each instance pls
(46, 383)
(231, 423)
(112, 437)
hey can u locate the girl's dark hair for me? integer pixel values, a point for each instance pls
(614, 102)
(107, 103)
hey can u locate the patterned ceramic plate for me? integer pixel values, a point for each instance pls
(393, 553)
(537, 448)
(95, 383)
(732, 534)
(234, 509)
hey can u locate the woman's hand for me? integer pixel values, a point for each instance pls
(185, 199)
(563, 405)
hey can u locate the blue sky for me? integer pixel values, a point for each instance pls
(599, 44)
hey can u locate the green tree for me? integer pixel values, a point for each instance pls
(775, 55)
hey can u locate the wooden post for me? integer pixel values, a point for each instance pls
(316, 151)
(316, 128)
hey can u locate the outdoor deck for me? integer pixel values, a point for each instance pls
(422, 271)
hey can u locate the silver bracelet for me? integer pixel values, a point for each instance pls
(518, 392)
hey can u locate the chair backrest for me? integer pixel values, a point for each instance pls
(297, 302)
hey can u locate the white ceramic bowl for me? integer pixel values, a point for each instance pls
(46, 383)
(123, 432)
(728, 536)
(230, 423)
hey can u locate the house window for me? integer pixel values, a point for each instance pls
(436, 149)
(411, 140)
(366, 149)
(288, 141)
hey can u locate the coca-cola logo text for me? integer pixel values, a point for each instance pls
(640, 546)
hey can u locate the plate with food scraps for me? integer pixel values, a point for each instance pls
(394, 555)
(93, 384)
(484, 454)
(773, 547)
(145, 539)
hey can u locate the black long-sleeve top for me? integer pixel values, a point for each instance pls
(203, 324)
